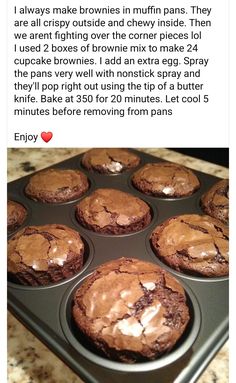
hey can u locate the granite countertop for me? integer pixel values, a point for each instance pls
(29, 361)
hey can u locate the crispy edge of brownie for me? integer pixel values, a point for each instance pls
(116, 229)
(29, 277)
(145, 188)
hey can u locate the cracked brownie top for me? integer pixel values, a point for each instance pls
(113, 211)
(194, 244)
(131, 310)
(215, 201)
(40, 248)
(57, 185)
(111, 160)
(165, 179)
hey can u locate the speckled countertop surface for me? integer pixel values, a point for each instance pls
(29, 361)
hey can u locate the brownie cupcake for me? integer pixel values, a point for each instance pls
(110, 160)
(193, 244)
(57, 185)
(16, 215)
(131, 310)
(165, 179)
(111, 211)
(39, 255)
(215, 202)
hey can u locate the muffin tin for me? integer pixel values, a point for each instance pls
(46, 311)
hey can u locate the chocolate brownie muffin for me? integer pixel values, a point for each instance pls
(39, 255)
(194, 244)
(111, 211)
(16, 215)
(131, 310)
(110, 160)
(165, 179)
(215, 202)
(57, 185)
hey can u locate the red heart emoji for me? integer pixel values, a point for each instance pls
(46, 136)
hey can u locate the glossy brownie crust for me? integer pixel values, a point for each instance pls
(131, 310)
(111, 211)
(194, 244)
(215, 202)
(112, 160)
(165, 179)
(16, 215)
(57, 185)
(39, 255)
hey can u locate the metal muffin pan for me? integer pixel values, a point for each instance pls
(46, 310)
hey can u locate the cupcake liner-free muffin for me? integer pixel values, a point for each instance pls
(57, 185)
(165, 179)
(194, 244)
(215, 202)
(131, 310)
(16, 215)
(111, 160)
(111, 211)
(39, 255)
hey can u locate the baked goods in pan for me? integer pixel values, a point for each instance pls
(57, 185)
(131, 310)
(215, 202)
(194, 244)
(113, 160)
(111, 211)
(165, 179)
(16, 215)
(39, 255)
